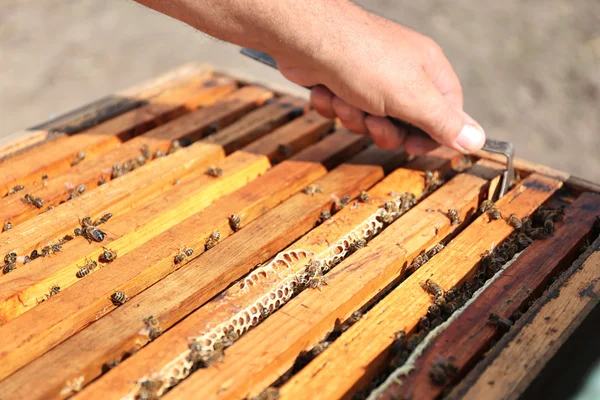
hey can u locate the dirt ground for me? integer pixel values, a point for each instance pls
(531, 70)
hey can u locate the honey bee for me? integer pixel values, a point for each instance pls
(101, 181)
(117, 171)
(103, 219)
(26, 259)
(78, 158)
(10, 257)
(145, 150)
(494, 214)
(344, 201)
(449, 308)
(15, 189)
(215, 356)
(33, 200)
(418, 262)
(107, 255)
(89, 231)
(358, 244)
(312, 189)
(285, 150)
(235, 222)
(175, 146)
(264, 312)
(34, 254)
(407, 201)
(325, 215)
(514, 221)
(434, 311)
(356, 315)
(433, 288)
(149, 389)
(9, 267)
(212, 240)
(44, 177)
(435, 250)
(364, 196)
(176, 182)
(214, 171)
(454, 216)
(451, 294)
(139, 161)
(548, 226)
(54, 290)
(390, 206)
(442, 371)
(195, 352)
(502, 323)
(183, 254)
(154, 329)
(486, 205)
(316, 282)
(231, 335)
(119, 298)
(86, 269)
(159, 153)
(128, 166)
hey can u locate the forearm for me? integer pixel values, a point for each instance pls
(305, 28)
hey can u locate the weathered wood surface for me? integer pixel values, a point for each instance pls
(56, 189)
(101, 110)
(169, 300)
(522, 353)
(355, 357)
(471, 334)
(232, 304)
(57, 155)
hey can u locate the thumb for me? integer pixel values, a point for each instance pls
(444, 122)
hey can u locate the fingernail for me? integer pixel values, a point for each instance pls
(471, 138)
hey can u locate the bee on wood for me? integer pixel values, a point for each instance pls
(343, 202)
(175, 146)
(442, 371)
(451, 294)
(10, 257)
(103, 219)
(358, 244)
(314, 268)
(145, 150)
(128, 166)
(159, 153)
(434, 311)
(269, 393)
(139, 161)
(418, 262)
(433, 288)
(390, 206)
(431, 182)
(449, 308)
(9, 267)
(548, 226)
(523, 241)
(317, 281)
(56, 247)
(285, 150)
(15, 189)
(214, 171)
(44, 177)
(486, 205)
(183, 254)
(364, 196)
(80, 189)
(231, 335)
(102, 181)
(435, 250)
(154, 329)
(356, 315)
(107, 255)
(212, 240)
(176, 182)
(93, 234)
(149, 389)
(454, 217)
(34, 254)
(494, 214)
(407, 201)
(54, 290)
(86, 269)
(26, 260)
(324, 216)
(78, 158)
(119, 298)
(33, 200)
(514, 221)
(502, 323)
(117, 171)
(235, 222)
(312, 189)
(264, 312)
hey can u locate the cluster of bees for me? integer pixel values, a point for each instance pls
(120, 169)
(392, 210)
(314, 275)
(432, 182)
(201, 357)
(423, 257)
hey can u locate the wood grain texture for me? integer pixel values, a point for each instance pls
(56, 188)
(192, 125)
(25, 287)
(470, 335)
(536, 337)
(163, 352)
(358, 355)
(172, 298)
(57, 155)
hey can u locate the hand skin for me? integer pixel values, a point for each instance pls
(363, 66)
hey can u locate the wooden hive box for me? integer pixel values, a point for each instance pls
(262, 251)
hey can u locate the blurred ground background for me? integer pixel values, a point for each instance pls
(530, 69)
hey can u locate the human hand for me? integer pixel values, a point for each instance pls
(371, 68)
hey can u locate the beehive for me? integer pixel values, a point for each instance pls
(263, 251)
